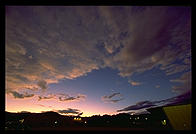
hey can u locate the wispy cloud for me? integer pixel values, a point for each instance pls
(67, 98)
(44, 106)
(20, 95)
(110, 98)
(48, 97)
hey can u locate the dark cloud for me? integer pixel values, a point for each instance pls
(42, 84)
(80, 114)
(24, 112)
(139, 105)
(110, 98)
(146, 48)
(62, 97)
(180, 99)
(51, 96)
(67, 98)
(20, 95)
(54, 43)
(115, 101)
(70, 111)
(112, 95)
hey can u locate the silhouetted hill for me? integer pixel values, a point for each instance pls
(37, 120)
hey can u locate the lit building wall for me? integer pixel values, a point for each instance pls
(179, 116)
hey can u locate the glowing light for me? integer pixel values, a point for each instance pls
(163, 122)
(146, 118)
(85, 122)
(55, 122)
(77, 119)
(21, 121)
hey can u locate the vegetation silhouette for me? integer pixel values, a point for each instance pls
(55, 121)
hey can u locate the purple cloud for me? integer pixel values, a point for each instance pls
(180, 99)
(83, 39)
(139, 105)
(185, 81)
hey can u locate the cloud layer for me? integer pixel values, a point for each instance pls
(48, 44)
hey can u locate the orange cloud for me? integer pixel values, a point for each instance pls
(134, 83)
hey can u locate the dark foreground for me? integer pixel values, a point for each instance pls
(54, 121)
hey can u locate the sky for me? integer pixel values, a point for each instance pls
(96, 60)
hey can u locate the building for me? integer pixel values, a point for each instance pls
(178, 117)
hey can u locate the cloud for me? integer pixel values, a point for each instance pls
(63, 97)
(157, 86)
(80, 114)
(20, 95)
(67, 98)
(153, 41)
(134, 83)
(137, 106)
(180, 99)
(72, 55)
(50, 96)
(139, 112)
(55, 43)
(44, 106)
(185, 81)
(110, 98)
(42, 84)
(24, 112)
(70, 111)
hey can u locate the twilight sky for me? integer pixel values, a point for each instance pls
(96, 60)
